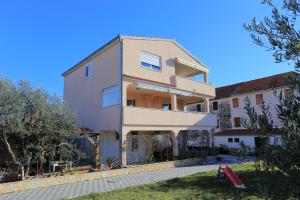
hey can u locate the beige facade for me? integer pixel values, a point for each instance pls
(152, 100)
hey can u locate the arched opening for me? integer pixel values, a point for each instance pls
(149, 147)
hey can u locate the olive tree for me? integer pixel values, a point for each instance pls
(34, 126)
(280, 35)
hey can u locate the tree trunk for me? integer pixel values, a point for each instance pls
(9, 150)
(26, 171)
(42, 160)
(22, 173)
(97, 151)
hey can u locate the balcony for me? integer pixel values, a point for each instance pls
(194, 86)
(157, 117)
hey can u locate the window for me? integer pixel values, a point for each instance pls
(237, 122)
(88, 70)
(111, 96)
(150, 61)
(259, 99)
(237, 140)
(215, 105)
(235, 102)
(131, 102)
(166, 106)
(230, 139)
(134, 144)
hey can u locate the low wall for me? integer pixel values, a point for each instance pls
(66, 179)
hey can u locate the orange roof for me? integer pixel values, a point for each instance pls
(277, 80)
(235, 132)
(243, 132)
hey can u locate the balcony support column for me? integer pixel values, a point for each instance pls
(123, 148)
(206, 105)
(175, 143)
(205, 78)
(174, 102)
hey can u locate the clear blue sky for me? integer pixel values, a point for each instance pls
(41, 39)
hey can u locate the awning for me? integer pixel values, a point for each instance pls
(192, 65)
(162, 89)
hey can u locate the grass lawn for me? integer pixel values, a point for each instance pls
(197, 186)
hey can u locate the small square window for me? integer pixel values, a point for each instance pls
(237, 122)
(230, 139)
(259, 99)
(235, 102)
(88, 70)
(237, 140)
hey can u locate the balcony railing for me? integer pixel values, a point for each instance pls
(195, 86)
(149, 116)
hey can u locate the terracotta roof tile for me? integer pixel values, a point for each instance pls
(244, 132)
(277, 80)
(235, 132)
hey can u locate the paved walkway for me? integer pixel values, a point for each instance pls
(105, 185)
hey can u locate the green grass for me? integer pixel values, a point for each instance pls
(197, 186)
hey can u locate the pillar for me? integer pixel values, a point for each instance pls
(175, 143)
(174, 102)
(123, 149)
(206, 105)
(206, 78)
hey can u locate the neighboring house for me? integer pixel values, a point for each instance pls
(231, 99)
(136, 91)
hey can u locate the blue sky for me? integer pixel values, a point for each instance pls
(41, 39)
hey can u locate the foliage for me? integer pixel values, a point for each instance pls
(111, 160)
(223, 149)
(224, 115)
(213, 151)
(244, 152)
(34, 126)
(280, 34)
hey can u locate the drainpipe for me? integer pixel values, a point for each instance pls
(121, 103)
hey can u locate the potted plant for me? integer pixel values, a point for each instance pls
(110, 161)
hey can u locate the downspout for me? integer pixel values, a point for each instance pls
(121, 105)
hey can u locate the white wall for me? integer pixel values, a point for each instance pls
(223, 140)
(270, 100)
(110, 147)
(248, 140)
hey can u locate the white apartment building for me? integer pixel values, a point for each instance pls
(258, 91)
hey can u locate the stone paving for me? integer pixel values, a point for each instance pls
(104, 185)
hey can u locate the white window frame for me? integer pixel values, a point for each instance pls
(116, 101)
(149, 63)
(88, 70)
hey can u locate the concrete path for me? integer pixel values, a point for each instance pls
(107, 184)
